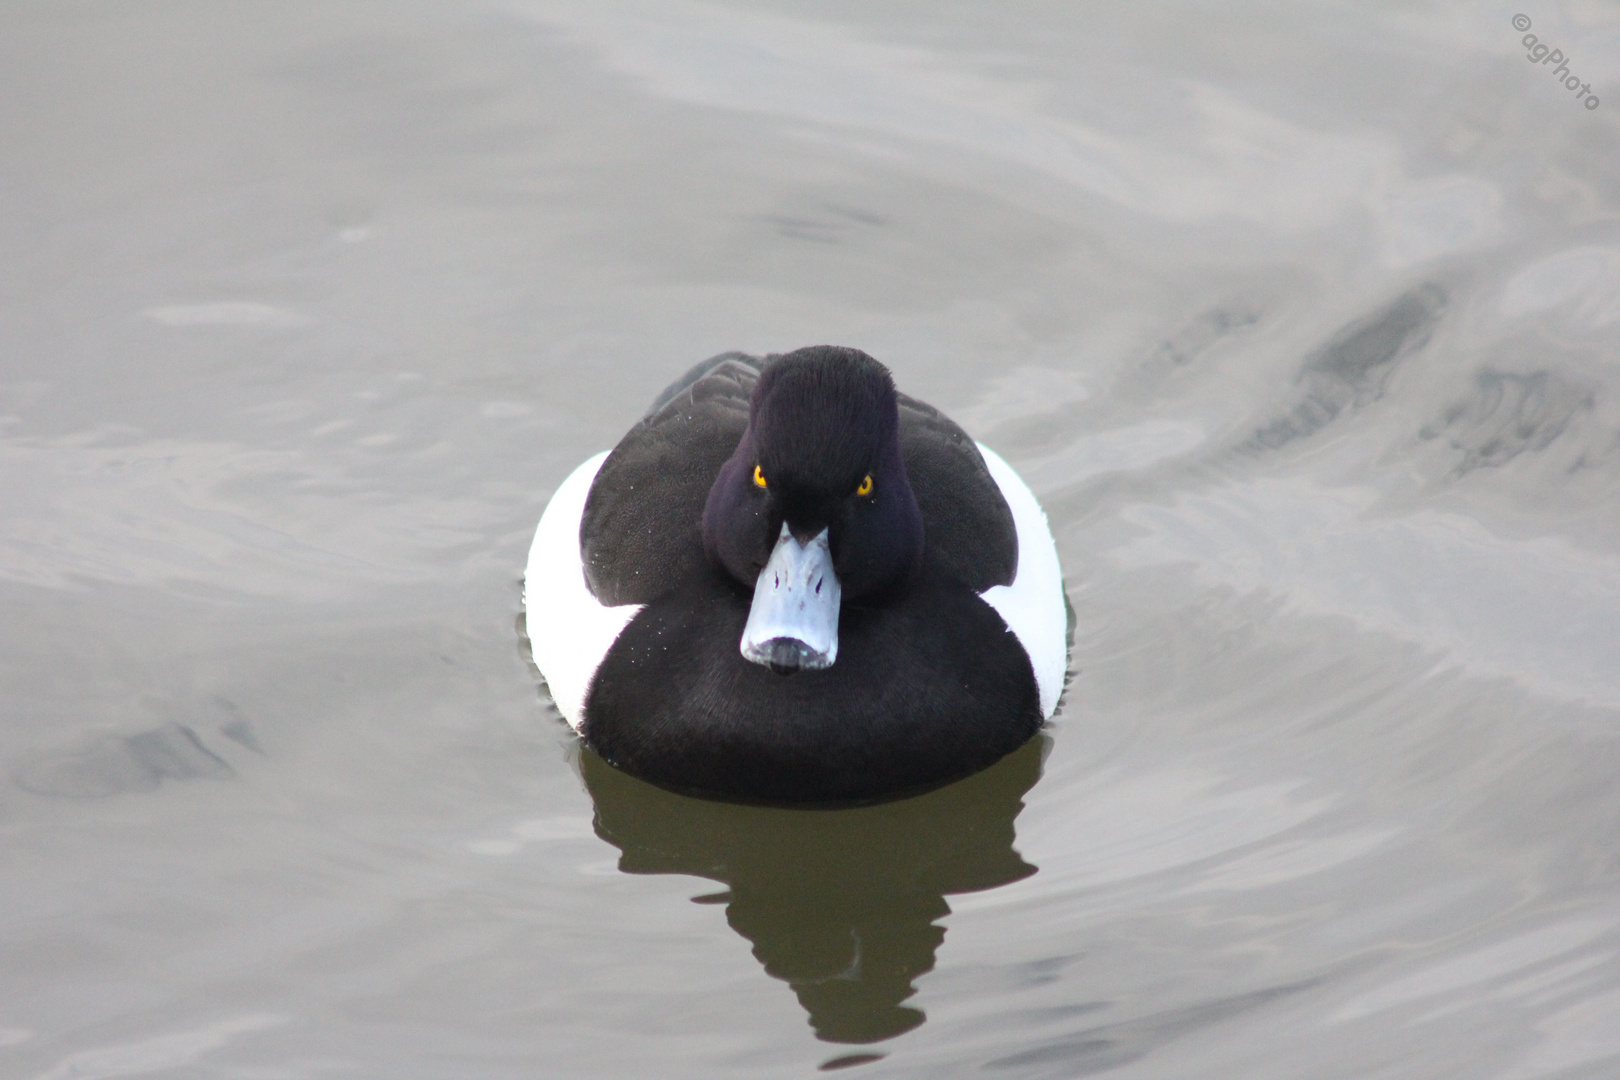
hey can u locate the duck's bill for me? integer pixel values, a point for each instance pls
(793, 623)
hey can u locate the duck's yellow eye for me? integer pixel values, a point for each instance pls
(759, 477)
(865, 488)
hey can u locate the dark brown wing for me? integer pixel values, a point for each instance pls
(967, 526)
(642, 530)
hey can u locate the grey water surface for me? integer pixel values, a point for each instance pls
(1303, 321)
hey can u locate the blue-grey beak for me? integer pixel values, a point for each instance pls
(793, 623)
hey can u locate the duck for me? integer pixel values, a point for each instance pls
(791, 584)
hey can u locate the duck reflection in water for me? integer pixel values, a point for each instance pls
(842, 905)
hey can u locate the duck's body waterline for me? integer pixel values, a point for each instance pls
(663, 644)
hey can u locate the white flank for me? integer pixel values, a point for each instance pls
(1032, 606)
(570, 631)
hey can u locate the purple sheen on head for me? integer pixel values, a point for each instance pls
(820, 421)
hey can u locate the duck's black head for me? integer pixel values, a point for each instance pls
(821, 454)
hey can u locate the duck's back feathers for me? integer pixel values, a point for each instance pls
(641, 533)
(967, 525)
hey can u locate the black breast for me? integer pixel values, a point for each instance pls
(641, 533)
(924, 691)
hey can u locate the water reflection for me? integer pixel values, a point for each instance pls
(842, 905)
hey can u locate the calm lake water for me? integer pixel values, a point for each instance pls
(1302, 321)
